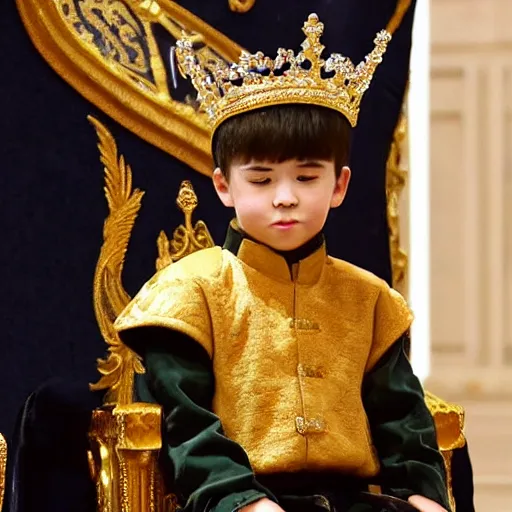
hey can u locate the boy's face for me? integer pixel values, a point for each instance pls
(282, 205)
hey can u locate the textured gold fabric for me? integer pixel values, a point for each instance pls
(289, 347)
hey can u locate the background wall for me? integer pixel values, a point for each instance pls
(471, 230)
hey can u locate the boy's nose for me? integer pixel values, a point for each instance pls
(285, 198)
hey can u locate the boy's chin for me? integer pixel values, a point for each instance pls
(286, 242)
(282, 245)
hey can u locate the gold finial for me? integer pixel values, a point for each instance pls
(186, 238)
(241, 6)
(187, 199)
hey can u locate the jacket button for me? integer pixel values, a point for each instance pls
(312, 426)
(311, 371)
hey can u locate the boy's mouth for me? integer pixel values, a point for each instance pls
(284, 224)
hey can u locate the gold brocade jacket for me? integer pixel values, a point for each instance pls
(290, 348)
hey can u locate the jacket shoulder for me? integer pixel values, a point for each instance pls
(351, 272)
(205, 263)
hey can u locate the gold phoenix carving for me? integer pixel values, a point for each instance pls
(110, 298)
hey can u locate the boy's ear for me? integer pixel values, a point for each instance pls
(340, 188)
(222, 188)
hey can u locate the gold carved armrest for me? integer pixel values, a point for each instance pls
(3, 467)
(449, 421)
(125, 441)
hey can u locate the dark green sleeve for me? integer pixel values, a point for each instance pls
(403, 429)
(208, 470)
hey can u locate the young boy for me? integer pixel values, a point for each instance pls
(282, 371)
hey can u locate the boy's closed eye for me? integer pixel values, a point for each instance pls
(266, 181)
(260, 181)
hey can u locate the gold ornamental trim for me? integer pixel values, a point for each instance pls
(3, 467)
(396, 179)
(126, 77)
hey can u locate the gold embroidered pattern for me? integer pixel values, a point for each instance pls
(116, 33)
(449, 419)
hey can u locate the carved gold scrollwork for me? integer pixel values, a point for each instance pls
(116, 32)
(186, 238)
(3, 467)
(110, 298)
(241, 6)
(396, 176)
(107, 50)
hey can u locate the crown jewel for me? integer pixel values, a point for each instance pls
(258, 81)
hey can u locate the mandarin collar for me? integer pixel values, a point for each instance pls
(306, 271)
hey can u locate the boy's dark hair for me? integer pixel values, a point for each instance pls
(283, 132)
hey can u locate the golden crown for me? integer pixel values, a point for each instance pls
(258, 81)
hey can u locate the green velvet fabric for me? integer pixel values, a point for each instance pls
(208, 470)
(403, 429)
(211, 472)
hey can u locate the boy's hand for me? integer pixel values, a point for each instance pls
(425, 505)
(263, 505)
